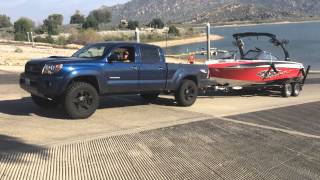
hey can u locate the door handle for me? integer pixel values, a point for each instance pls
(134, 68)
(160, 68)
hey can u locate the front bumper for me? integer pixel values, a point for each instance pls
(41, 85)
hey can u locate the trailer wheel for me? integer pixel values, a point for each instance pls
(81, 100)
(187, 93)
(296, 89)
(287, 90)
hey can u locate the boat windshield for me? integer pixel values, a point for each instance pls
(260, 48)
(259, 55)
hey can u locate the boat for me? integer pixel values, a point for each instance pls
(259, 68)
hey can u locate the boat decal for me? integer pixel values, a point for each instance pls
(266, 74)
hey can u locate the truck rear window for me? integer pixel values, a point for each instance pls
(150, 55)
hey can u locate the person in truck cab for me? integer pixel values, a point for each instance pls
(125, 56)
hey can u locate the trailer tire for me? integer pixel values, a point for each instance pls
(287, 90)
(296, 89)
(187, 93)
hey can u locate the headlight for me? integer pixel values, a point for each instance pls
(51, 69)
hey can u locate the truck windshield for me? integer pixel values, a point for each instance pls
(92, 51)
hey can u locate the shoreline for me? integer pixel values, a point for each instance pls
(248, 24)
(186, 41)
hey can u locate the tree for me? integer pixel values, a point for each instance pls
(21, 27)
(91, 22)
(5, 21)
(156, 23)
(102, 15)
(174, 30)
(53, 24)
(132, 25)
(77, 18)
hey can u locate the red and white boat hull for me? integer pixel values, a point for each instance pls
(251, 72)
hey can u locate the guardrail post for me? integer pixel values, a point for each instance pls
(208, 41)
(28, 37)
(137, 34)
(32, 40)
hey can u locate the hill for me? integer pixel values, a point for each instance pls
(217, 11)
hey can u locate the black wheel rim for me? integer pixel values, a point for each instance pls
(189, 93)
(83, 101)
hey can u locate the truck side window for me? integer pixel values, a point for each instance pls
(123, 54)
(96, 51)
(150, 55)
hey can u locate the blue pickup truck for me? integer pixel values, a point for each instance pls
(109, 68)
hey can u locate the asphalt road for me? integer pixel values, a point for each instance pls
(225, 136)
(218, 148)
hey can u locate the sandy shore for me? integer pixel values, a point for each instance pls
(185, 41)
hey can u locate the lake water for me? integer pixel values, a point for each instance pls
(304, 40)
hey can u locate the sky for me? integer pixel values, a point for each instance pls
(38, 10)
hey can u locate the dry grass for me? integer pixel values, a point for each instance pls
(10, 55)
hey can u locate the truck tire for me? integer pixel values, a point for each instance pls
(296, 88)
(150, 96)
(287, 90)
(44, 103)
(187, 93)
(81, 100)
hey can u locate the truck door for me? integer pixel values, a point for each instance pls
(152, 74)
(121, 71)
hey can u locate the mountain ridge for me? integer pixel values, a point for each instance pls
(199, 11)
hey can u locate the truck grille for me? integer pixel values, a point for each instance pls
(33, 69)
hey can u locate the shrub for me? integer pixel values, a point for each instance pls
(156, 23)
(62, 40)
(77, 18)
(102, 15)
(90, 36)
(53, 24)
(132, 25)
(91, 22)
(47, 39)
(174, 31)
(21, 27)
(85, 37)
(5, 21)
(18, 50)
